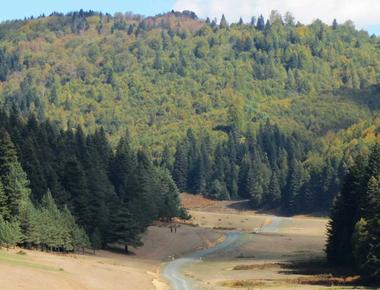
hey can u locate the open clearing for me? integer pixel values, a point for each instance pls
(105, 270)
(285, 255)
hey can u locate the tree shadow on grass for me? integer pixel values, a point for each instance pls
(116, 249)
(319, 272)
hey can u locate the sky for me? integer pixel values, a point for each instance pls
(364, 13)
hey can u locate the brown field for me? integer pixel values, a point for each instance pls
(290, 258)
(105, 270)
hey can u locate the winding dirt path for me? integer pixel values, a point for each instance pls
(173, 270)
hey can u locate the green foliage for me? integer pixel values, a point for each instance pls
(10, 234)
(353, 232)
(173, 72)
(124, 229)
(13, 178)
(284, 109)
(86, 180)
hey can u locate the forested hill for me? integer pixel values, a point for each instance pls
(161, 75)
(277, 109)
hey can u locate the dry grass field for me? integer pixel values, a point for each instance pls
(106, 270)
(287, 257)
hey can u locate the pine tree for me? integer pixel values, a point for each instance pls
(253, 187)
(293, 187)
(29, 224)
(223, 22)
(4, 209)
(371, 266)
(10, 233)
(260, 23)
(344, 215)
(12, 176)
(96, 239)
(205, 155)
(75, 183)
(272, 196)
(243, 173)
(218, 190)
(124, 229)
(33, 168)
(122, 168)
(373, 167)
(180, 167)
(169, 201)
(193, 163)
(54, 230)
(166, 159)
(197, 177)
(144, 202)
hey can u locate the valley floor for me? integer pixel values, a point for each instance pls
(269, 252)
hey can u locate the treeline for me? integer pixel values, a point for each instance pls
(23, 223)
(354, 227)
(266, 167)
(64, 189)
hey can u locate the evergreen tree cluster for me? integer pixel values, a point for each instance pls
(22, 223)
(354, 226)
(266, 167)
(9, 62)
(64, 189)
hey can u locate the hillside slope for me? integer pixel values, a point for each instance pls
(161, 75)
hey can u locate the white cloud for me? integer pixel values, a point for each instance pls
(362, 12)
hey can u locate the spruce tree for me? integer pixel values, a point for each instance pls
(144, 202)
(223, 22)
(260, 23)
(180, 167)
(243, 173)
(169, 201)
(4, 209)
(193, 163)
(122, 168)
(218, 190)
(253, 187)
(74, 180)
(344, 215)
(34, 170)
(272, 196)
(10, 233)
(293, 187)
(371, 266)
(124, 229)
(166, 159)
(30, 224)
(12, 176)
(197, 177)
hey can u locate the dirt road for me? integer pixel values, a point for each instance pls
(173, 270)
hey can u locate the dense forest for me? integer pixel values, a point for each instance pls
(354, 232)
(271, 104)
(274, 111)
(64, 190)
